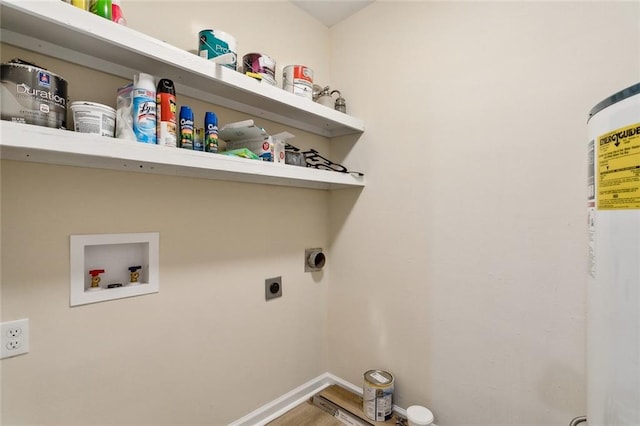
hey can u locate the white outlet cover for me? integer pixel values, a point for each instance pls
(14, 338)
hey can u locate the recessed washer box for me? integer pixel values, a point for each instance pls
(115, 254)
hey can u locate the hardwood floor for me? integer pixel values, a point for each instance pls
(306, 414)
(349, 404)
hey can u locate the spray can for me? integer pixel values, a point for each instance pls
(82, 4)
(166, 112)
(101, 8)
(186, 127)
(198, 140)
(116, 13)
(210, 132)
(144, 108)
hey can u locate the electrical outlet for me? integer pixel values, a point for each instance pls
(14, 337)
(14, 332)
(272, 288)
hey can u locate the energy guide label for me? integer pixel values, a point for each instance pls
(619, 169)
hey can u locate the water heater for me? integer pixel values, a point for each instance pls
(613, 307)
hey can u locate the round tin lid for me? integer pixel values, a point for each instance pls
(94, 105)
(378, 377)
(31, 67)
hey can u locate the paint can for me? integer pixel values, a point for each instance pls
(298, 79)
(377, 395)
(263, 65)
(94, 118)
(32, 95)
(216, 43)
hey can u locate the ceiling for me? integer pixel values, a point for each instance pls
(330, 12)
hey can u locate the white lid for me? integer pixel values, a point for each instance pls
(93, 106)
(420, 415)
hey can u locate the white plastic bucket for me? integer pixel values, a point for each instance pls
(94, 118)
(418, 415)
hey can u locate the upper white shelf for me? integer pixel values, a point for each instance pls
(58, 29)
(25, 142)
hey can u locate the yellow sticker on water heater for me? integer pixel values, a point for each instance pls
(619, 169)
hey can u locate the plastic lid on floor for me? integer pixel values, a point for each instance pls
(419, 416)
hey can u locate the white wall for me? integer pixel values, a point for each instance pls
(461, 266)
(207, 349)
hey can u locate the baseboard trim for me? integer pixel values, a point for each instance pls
(274, 409)
(297, 396)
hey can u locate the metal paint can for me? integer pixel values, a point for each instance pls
(298, 79)
(377, 395)
(260, 64)
(33, 95)
(214, 43)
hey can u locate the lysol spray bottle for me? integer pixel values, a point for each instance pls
(210, 132)
(144, 108)
(166, 111)
(186, 127)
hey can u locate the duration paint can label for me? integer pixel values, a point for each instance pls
(298, 80)
(618, 169)
(33, 95)
(377, 395)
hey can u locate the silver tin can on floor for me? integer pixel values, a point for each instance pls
(377, 395)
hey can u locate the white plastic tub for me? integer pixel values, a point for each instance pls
(94, 118)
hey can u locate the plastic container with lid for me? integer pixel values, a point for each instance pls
(418, 415)
(94, 118)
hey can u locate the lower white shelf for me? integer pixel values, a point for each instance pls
(25, 142)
